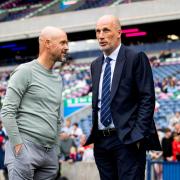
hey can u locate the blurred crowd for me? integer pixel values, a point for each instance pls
(156, 60)
(167, 88)
(72, 140)
(170, 141)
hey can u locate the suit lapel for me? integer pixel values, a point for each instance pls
(118, 71)
(97, 75)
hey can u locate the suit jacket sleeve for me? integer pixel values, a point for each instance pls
(91, 70)
(146, 96)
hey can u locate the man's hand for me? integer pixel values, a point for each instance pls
(17, 148)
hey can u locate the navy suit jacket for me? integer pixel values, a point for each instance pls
(132, 99)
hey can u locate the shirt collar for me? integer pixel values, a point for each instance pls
(114, 54)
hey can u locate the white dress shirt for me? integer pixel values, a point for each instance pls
(113, 56)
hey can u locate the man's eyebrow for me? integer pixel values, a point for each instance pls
(105, 28)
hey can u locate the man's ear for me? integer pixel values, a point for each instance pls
(120, 32)
(47, 43)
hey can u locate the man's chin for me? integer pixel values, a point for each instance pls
(104, 48)
(64, 59)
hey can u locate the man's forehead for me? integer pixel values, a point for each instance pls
(103, 25)
(104, 21)
(61, 38)
(108, 21)
(54, 34)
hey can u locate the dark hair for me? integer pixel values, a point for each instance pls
(75, 124)
(167, 130)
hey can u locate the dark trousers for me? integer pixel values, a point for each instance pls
(116, 161)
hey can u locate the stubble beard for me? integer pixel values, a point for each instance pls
(61, 58)
(106, 49)
(64, 58)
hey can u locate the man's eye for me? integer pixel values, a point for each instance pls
(106, 30)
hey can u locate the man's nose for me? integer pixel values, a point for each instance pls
(101, 34)
(66, 47)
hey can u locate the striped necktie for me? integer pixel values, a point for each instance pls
(106, 118)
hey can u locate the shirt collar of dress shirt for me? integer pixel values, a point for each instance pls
(114, 54)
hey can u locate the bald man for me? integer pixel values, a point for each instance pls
(31, 111)
(123, 104)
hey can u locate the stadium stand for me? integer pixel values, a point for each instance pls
(19, 9)
(15, 9)
(95, 4)
(77, 82)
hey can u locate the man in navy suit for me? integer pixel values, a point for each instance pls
(123, 105)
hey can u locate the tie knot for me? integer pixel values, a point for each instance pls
(108, 59)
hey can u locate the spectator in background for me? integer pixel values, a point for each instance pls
(157, 156)
(85, 153)
(73, 153)
(158, 83)
(176, 147)
(171, 87)
(174, 119)
(76, 133)
(67, 128)
(164, 55)
(66, 143)
(154, 61)
(167, 145)
(164, 85)
(81, 148)
(88, 155)
(176, 128)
